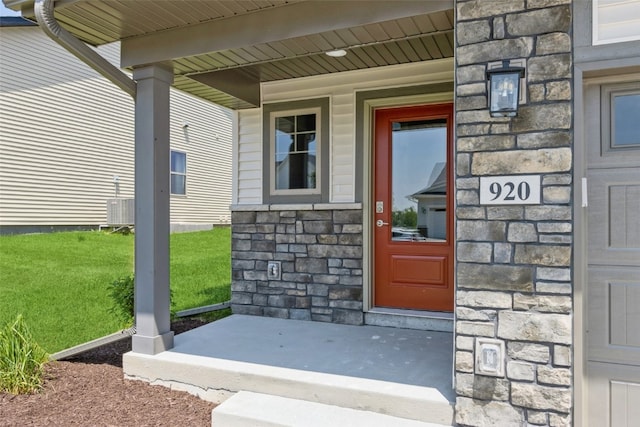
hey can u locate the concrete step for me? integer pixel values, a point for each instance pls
(410, 319)
(248, 409)
(197, 374)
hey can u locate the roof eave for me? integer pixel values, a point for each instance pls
(26, 6)
(19, 5)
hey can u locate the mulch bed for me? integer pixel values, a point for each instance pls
(89, 390)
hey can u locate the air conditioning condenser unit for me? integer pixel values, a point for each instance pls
(120, 212)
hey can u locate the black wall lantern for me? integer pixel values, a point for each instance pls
(504, 90)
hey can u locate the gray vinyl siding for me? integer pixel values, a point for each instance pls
(65, 132)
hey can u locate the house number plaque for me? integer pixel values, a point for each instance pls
(510, 190)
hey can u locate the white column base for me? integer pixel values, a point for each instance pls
(152, 345)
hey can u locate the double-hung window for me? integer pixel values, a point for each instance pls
(178, 173)
(296, 152)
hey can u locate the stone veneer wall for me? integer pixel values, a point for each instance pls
(514, 262)
(321, 256)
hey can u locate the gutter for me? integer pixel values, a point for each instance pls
(43, 10)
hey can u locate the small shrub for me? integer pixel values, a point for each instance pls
(21, 359)
(121, 292)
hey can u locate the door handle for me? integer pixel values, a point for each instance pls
(380, 223)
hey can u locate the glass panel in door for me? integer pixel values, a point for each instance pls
(419, 181)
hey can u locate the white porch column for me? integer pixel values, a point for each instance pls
(152, 175)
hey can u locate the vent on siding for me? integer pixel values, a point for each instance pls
(120, 211)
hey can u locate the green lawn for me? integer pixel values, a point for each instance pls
(58, 281)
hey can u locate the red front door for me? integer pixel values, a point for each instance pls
(412, 223)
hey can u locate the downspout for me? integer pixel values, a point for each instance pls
(43, 10)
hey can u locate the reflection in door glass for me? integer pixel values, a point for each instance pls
(419, 180)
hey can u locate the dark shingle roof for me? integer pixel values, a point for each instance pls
(15, 21)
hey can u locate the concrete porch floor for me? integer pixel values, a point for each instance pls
(401, 372)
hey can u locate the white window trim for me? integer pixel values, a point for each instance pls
(171, 173)
(272, 153)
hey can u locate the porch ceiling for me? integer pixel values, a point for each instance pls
(222, 50)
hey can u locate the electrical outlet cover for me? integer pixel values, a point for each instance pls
(490, 355)
(274, 270)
